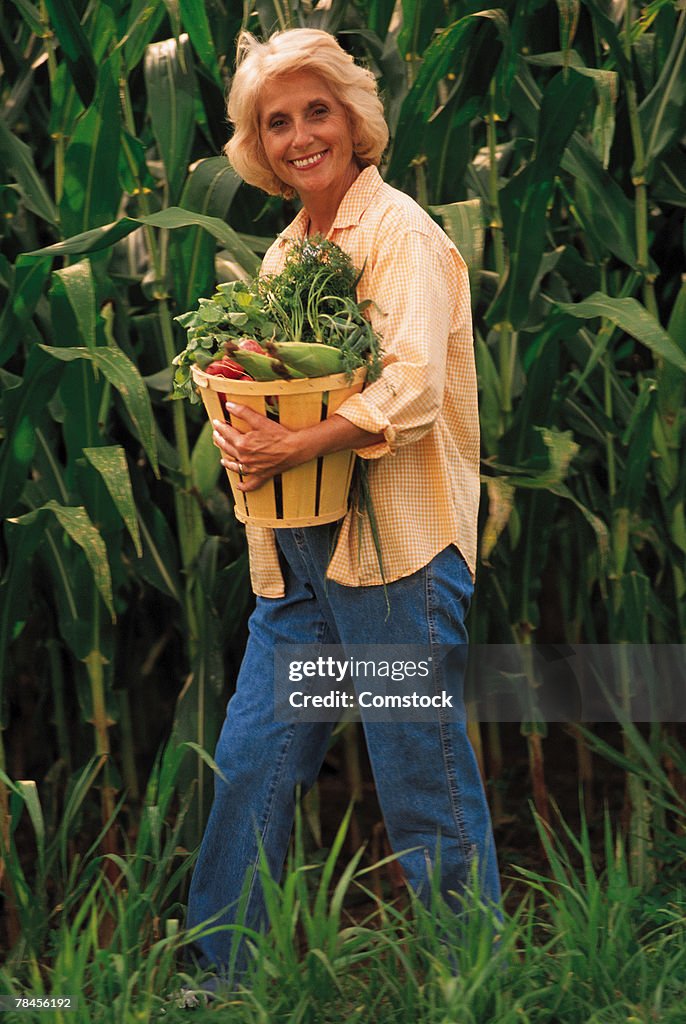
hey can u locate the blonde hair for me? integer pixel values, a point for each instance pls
(299, 49)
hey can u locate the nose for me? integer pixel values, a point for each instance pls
(302, 133)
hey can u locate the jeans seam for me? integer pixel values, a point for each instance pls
(446, 745)
(269, 803)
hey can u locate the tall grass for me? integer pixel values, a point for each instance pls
(580, 943)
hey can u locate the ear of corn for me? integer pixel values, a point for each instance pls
(291, 360)
(309, 359)
(264, 367)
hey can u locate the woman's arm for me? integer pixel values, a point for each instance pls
(419, 287)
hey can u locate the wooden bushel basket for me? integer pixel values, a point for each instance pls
(317, 491)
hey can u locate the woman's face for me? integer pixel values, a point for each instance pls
(306, 136)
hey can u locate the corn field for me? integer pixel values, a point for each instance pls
(547, 137)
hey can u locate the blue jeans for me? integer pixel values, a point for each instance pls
(426, 775)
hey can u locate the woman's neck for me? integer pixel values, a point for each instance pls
(322, 207)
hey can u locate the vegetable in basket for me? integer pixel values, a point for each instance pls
(303, 322)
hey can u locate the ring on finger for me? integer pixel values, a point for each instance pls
(241, 469)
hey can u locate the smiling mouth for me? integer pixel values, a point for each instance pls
(308, 161)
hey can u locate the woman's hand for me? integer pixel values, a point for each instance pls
(268, 448)
(265, 449)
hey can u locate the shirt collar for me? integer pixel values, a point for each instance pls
(357, 198)
(297, 229)
(353, 205)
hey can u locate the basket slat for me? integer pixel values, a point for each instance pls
(337, 467)
(259, 504)
(299, 485)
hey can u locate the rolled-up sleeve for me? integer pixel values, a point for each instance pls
(407, 281)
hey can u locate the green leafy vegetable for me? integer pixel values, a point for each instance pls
(306, 321)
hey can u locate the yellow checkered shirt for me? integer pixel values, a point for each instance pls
(424, 478)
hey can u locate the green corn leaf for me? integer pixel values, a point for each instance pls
(48, 465)
(555, 59)
(75, 46)
(77, 524)
(420, 18)
(171, 87)
(385, 54)
(633, 318)
(607, 29)
(92, 240)
(606, 214)
(569, 20)
(159, 565)
(638, 436)
(606, 83)
(379, 16)
(173, 217)
(102, 26)
(30, 275)
(79, 288)
(671, 391)
(92, 194)
(29, 792)
(490, 395)
(677, 321)
(134, 173)
(31, 16)
(443, 55)
(610, 219)
(464, 224)
(17, 159)
(211, 186)
(209, 190)
(196, 23)
(125, 377)
(14, 593)
(636, 592)
(273, 15)
(71, 583)
(524, 200)
(145, 17)
(607, 88)
(23, 405)
(503, 487)
(663, 112)
(110, 462)
(65, 104)
(205, 465)
(669, 183)
(174, 14)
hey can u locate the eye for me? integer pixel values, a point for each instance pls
(320, 111)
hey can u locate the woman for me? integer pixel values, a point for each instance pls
(309, 122)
